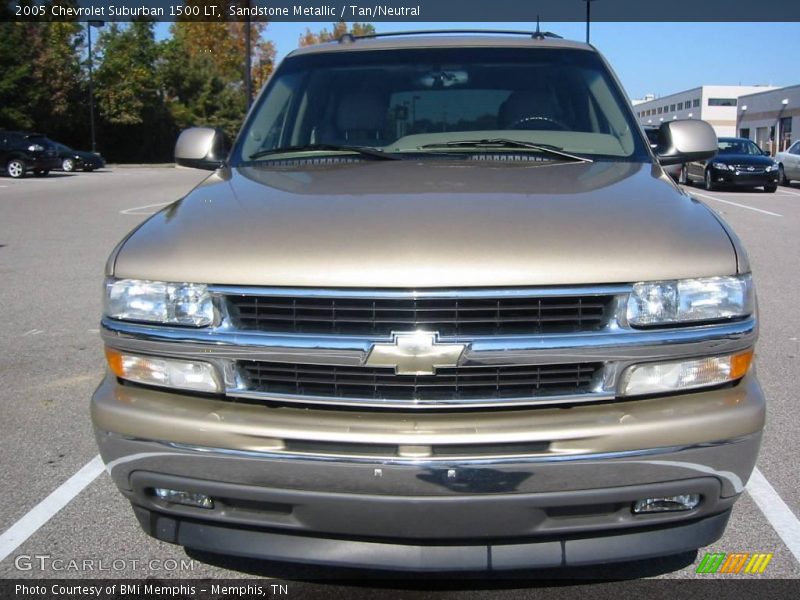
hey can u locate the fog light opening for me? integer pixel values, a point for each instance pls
(666, 504)
(185, 498)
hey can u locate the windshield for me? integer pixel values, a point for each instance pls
(739, 147)
(419, 101)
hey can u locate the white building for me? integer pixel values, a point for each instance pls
(716, 104)
(768, 115)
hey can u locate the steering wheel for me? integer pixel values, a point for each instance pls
(533, 120)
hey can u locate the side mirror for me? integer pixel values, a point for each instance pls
(201, 148)
(685, 141)
(765, 152)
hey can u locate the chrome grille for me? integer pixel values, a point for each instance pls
(452, 383)
(749, 169)
(472, 316)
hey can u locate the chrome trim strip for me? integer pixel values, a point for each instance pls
(439, 462)
(542, 399)
(539, 292)
(610, 345)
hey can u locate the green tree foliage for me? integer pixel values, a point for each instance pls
(134, 123)
(145, 90)
(203, 71)
(15, 76)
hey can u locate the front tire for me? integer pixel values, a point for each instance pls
(710, 185)
(68, 165)
(15, 168)
(770, 189)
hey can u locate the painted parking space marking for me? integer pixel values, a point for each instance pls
(144, 210)
(40, 514)
(779, 515)
(766, 212)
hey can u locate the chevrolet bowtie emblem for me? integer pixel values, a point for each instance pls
(415, 353)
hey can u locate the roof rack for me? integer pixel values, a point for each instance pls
(537, 35)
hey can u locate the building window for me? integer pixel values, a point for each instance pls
(744, 132)
(722, 101)
(660, 110)
(680, 105)
(671, 108)
(696, 103)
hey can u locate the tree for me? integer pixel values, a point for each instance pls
(203, 71)
(134, 122)
(15, 77)
(309, 38)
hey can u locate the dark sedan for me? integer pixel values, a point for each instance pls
(72, 160)
(739, 163)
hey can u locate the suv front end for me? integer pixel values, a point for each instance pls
(495, 355)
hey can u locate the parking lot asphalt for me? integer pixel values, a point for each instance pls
(55, 235)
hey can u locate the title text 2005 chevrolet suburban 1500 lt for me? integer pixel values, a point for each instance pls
(439, 307)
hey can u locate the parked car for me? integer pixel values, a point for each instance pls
(673, 171)
(72, 160)
(740, 162)
(480, 333)
(789, 164)
(21, 152)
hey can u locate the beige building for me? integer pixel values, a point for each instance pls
(769, 115)
(716, 104)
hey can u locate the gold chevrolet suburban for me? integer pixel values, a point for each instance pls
(437, 308)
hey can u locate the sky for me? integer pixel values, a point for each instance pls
(649, 58)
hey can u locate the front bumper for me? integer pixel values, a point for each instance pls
(567, 503)
(744, 178)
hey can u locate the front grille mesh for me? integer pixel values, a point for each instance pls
(484, 382)
(448, 317)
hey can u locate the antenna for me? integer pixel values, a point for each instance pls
(540, 35)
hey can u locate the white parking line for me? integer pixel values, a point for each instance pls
(784, 190)
(40, 514)
(780, 516)
(766, 212)
(136, 210)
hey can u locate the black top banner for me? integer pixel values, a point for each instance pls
(450, 11)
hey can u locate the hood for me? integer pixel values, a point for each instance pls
(743, 159)
(426, 224)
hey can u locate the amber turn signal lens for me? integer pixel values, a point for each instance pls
(740, 363)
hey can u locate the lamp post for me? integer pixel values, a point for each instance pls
(89, 25)
(588, 17)
(248, 68)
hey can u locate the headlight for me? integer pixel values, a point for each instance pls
(35, 148)
(658, 378)
(773, 167)
(157, 302)
(690, 300)
(721, 166)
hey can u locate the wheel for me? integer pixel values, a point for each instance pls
(770, 189)
(710, 186)
(41, 172)
(15, 168)
(683, 178)
(782, 179)
(68, 165)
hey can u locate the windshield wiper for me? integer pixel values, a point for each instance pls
(508, 143)
(363, 150)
